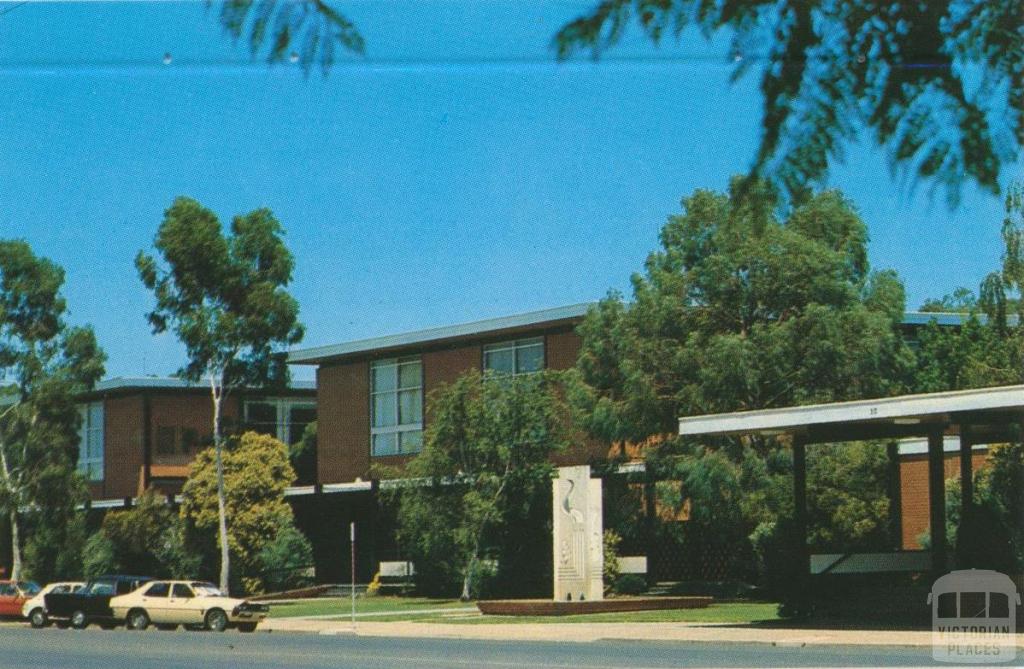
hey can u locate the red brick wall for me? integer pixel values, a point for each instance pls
(343, 422)
(914, 495)
(343, 404)
(122, 447)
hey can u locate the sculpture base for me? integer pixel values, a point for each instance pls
(548, 607)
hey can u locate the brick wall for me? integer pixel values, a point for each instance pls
(343, 422)
(914, 495)
(122, 447)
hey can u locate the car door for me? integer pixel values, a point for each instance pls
(9, 600)
(184, 605)
(155, 600)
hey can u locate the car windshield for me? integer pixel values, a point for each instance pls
(29, 587)
(206, 590)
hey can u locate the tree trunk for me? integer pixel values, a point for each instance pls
(467, 581)
(15, 547)
(222, 521)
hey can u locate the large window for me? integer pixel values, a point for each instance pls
(396, 406)
(281, 417)
(90, 441)
(521, 356)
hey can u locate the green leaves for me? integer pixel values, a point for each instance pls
(223, 295)
(935, 83)
(740, 309)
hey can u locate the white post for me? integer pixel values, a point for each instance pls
(352, 587)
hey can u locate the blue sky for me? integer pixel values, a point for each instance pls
(456, 173)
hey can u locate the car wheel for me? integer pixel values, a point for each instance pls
(137, 620)
(166, 627)
(246, 627)
(79, 620)
(216, 620)
(37, 617)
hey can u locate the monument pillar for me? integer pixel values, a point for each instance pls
(578, 531)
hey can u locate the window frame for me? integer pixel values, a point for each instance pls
(91, 467)
(283, 406)
(515, 345)
(398, 429)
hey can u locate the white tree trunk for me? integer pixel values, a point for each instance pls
(15, 537)
(222, 521)
(15, 547)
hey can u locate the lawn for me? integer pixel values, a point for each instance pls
(412, 608)
(342, 606)
(732, 612)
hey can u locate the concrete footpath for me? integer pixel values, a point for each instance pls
(588, 632)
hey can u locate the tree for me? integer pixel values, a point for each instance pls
(271, 27)
(225, 298)
(936, 82)
(255, 473)
(46, 364)
(488, 444)
(960, 301)
(740, 310)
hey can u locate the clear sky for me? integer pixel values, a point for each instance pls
(455, 173)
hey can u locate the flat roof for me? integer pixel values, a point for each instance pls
(171, 382)
(312, 356)
(900, 410)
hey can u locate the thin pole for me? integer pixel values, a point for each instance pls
(352, 588)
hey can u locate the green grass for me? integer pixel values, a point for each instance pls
(738, 612)
(342, 606)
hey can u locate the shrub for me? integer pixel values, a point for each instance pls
(630, 584)
(98, 556)
(611, 559)
(286, 561)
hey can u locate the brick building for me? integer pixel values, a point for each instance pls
(141, 432)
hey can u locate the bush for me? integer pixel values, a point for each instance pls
(611, 559)
(630, 584)
(286, 561)
(98, 556)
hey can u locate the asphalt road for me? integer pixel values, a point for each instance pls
(23, 648)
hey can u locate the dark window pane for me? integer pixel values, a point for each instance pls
(158, 590)
(299, 418)
(530, 359)
(189, 440)
(947, 605)
(412, 441)
(998, 605)
(183, 591)
(502, 361)
(972, 605)
(261, 412)
(165, 438)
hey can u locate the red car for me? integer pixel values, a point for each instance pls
(15, 593)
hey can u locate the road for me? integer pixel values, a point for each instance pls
(24, 648)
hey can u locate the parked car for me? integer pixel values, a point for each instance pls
(91, 604)
(35, 609)
(13, 594)
(195, 604)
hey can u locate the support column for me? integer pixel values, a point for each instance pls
(895, 496)
(967, 520)
(803, 558)
(937, 500)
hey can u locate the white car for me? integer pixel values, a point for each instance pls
(35, 608)
(195, 604)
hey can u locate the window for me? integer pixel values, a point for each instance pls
(172, 440)
(396, 406)
(158, 590)
(521, 356)
(183, 591)
(90, 441)
(280, 417)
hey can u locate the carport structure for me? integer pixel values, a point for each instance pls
(977, 417)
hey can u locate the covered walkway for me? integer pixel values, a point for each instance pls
(980, 416)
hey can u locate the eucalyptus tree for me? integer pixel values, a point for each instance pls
(225, 297)
(44, 363)
(936, 83)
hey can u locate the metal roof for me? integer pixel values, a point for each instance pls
(887, 409)
(315, 355)
(169, 382)
(320, 353)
